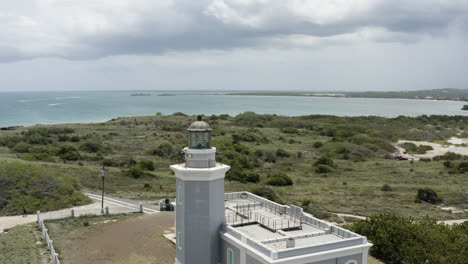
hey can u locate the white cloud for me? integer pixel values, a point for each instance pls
(84, 29)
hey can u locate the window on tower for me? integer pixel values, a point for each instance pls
(180, 194)
(180, 240)
(230, 256)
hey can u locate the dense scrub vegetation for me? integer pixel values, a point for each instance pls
(27, 188)
(399, 239)
(339, 164)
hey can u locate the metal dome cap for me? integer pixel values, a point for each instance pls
(199, 125)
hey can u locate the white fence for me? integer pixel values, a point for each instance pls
(49, 241)
(41, 217)
(98, 211)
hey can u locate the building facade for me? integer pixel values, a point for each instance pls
(241, 228)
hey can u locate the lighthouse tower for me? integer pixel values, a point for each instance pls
(200, 199)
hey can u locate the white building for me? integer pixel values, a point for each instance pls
(241, 228)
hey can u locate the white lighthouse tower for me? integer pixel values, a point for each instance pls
(200, 199)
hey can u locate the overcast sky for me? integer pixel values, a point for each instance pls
(316, 45)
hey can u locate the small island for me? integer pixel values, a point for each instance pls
(140, 94)
(465, 107)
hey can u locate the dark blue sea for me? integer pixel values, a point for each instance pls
(30, 108)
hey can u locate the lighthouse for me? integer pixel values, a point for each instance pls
(199, 199)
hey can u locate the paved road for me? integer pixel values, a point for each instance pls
(8, 222)
(126, 203)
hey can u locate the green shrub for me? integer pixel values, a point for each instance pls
(462, 167)
(400, 239)
(279, 179)
(250, 136)
(63, 138)
(270, 157)
(386, 188)
(408, 146)
(465, 107)
(324, 160)
(43, 150)
(259, 153)
(305, 202)
(422, 149)
(290, 130)
(146, 165)
(267, 192)
(21, 147)
(37, 157)
(447, 164)
(236, 173)
(318, 144)
(427, 195)
(135, 172)
(163, 150)
(322, 168)
(68, 153)
(449, 156)
(91, 146)
(282, 153)
(252, 119)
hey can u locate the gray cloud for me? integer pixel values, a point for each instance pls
(89, 29)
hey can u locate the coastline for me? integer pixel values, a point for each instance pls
(338, 96)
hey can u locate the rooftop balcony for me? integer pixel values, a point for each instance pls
(279, 232)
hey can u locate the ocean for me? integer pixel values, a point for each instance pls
(30, 108)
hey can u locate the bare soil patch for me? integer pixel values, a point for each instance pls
(438, 149)
(129, 239)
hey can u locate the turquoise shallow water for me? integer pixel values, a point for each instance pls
(29, 108)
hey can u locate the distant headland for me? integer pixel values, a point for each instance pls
(435, 94)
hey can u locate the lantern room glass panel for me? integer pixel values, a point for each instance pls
(199, 140)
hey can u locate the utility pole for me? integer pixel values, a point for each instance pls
(103, 174)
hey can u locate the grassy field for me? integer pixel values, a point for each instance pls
(258, 147)
(18, 246)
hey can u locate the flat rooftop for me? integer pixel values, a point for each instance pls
(280, 231)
